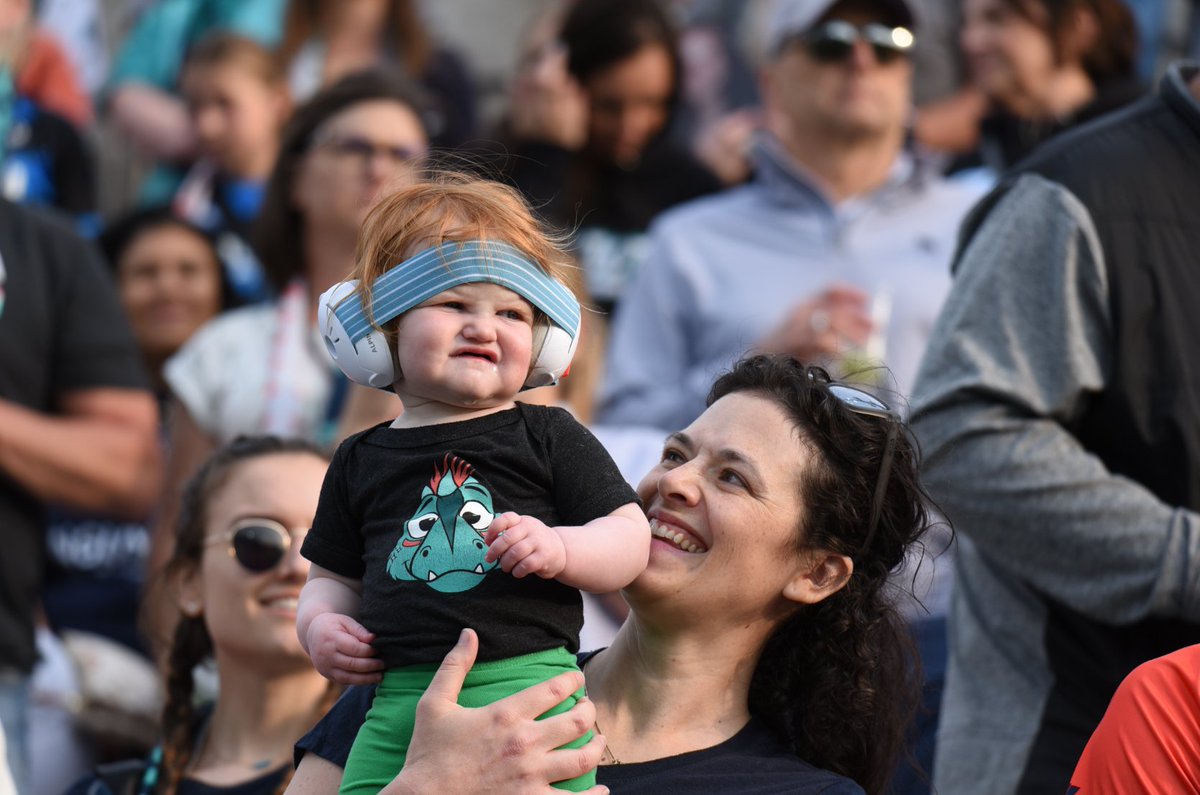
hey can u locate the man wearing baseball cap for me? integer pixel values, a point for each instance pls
(837, 251)
(840, 219)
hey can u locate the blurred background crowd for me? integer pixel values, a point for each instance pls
(183, 178)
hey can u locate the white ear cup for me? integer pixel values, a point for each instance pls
(553, 350)
(369, 362)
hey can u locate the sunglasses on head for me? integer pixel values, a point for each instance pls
(835, 40)
(860, 402)
(257, 544)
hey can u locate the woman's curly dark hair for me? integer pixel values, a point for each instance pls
(191, 643)
(838, 682)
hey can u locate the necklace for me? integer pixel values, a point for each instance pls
(608, 757)
(202, 748)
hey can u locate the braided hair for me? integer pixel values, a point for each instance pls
(191, 643)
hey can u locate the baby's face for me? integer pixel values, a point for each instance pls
(468, 348)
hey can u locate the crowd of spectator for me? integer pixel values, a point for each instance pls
(981, 212)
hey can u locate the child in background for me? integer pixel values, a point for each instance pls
(469, 509)
(238, 101)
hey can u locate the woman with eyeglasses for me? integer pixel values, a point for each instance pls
(263, 369)
(1045, 66)
(233, 579)
(764, 651)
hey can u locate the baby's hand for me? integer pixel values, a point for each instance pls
(525, 545)
(341, 651)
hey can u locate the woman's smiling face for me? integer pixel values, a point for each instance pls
(251, 616)
(1011, 57)
(725, 508)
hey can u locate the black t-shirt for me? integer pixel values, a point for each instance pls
(61, 329)
(405, 511)
(749, 763)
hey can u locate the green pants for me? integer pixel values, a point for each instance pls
(382, 742)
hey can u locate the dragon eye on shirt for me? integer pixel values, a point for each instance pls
(476, 515)
(421, 525)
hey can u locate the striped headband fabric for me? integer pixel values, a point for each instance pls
(438, 269)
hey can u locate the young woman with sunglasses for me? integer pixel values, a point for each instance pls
(235, 577)
(764, 648)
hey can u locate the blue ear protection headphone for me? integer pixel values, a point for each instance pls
(361, 350)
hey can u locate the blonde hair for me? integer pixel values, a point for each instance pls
(453, 207)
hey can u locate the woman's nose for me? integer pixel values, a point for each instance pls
(680, 484)
(294, 565)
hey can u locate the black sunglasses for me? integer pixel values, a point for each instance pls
(257, 544)
(865, 403)
(834, 41)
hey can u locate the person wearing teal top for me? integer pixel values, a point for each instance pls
(140, 92)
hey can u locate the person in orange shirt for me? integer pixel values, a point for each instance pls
(1149, 739)
(41, 69)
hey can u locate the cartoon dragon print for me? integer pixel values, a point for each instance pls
(442, 544)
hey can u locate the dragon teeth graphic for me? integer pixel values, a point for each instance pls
(442, 543)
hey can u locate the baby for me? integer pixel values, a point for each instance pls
(470, 509)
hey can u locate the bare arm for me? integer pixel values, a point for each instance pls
(156, 121)
(325, 592)
(606, 554)
(100, 454)
(316, 776)
(601, 556)
(339, 646)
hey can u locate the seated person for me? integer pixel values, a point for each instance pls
(764, 651)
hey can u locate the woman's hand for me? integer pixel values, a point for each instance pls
(525, 545)
(500, 747)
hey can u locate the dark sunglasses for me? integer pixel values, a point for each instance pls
(257, 544)
(835, 40)
(865, 403)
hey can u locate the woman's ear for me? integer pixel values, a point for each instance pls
(189, 594)
(820, 575)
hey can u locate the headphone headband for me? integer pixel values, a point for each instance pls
(437, 269)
